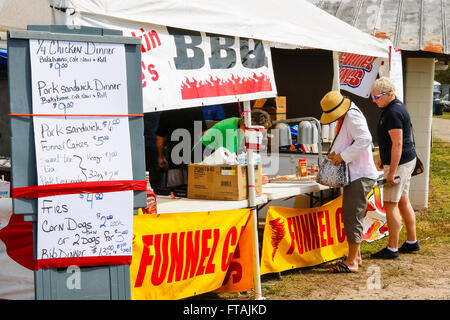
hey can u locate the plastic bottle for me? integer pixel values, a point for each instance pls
(312, 170)
(303, 167)
(151, 197)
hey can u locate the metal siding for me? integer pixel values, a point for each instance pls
(388, 20)
(414, 25)
(348, 11)
(432, 26)
(368, 16)
(315, 2)
(410, 26)
(446, 19)
(330, 6)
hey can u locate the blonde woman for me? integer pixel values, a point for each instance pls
(398, 158)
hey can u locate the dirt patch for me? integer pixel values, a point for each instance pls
(413, 276)
(424, 275)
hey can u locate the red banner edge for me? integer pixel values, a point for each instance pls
(79, 187)
(82, 262)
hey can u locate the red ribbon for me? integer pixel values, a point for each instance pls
(78, 187)
(81, 262)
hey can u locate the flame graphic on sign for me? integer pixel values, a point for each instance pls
(378, 229)
(278, 233)
(234, 85)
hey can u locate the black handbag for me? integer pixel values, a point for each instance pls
(331, 175)
(419, 168)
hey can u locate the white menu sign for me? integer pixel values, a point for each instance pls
(79, 92)
(83, 225)
(80, 78)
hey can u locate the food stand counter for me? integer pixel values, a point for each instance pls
(270, 191)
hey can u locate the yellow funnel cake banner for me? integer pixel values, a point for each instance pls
(178, 255)
(295, 238)
(240, 272)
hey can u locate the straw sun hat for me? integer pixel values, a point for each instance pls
(334, 105)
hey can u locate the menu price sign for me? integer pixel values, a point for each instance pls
(81, 132)
(80, 78)
(85, 229)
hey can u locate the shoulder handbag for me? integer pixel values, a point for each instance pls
(419, 168)
(331, 175)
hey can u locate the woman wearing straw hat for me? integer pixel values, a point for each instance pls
(353, 146)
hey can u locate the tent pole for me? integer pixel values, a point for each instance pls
(336, 86)
(336, 80)
(252, 205)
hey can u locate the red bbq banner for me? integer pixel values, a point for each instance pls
(182, 68)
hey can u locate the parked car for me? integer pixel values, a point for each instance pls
(437, 104)
(445, 103)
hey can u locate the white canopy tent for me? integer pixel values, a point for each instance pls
(286, 24)
(17, 14)
(295, 23)
(289, 24)
(292, 22)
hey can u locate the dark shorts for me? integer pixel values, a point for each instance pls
(354, 206)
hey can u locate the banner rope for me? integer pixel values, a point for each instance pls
(78, 187)
(72, 115)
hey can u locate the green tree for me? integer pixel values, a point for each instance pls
(442, 76)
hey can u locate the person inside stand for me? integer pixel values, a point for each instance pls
(398, 158)
(229, 133)
(214, 112)
(176, 133)
(151, 121)
(352, 145)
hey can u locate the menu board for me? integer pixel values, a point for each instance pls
(79, 94)
(84, 225)
(80, 78)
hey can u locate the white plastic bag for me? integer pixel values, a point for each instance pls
(221, 156)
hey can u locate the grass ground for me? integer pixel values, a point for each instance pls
(445, 115)
(423, 275)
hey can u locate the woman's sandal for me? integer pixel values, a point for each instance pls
(341, 260)
(340, 267)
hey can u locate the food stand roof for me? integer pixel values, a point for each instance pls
(413, 25)
(292, 22)
(17, 14)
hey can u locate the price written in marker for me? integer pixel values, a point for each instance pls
(89, 79)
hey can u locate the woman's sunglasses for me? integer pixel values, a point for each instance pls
(379, 95)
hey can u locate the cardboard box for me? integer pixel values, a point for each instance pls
(221, 182)
(276, 107)
(280, 104)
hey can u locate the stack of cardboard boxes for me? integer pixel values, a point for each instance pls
(221, 182)
(276, 107)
